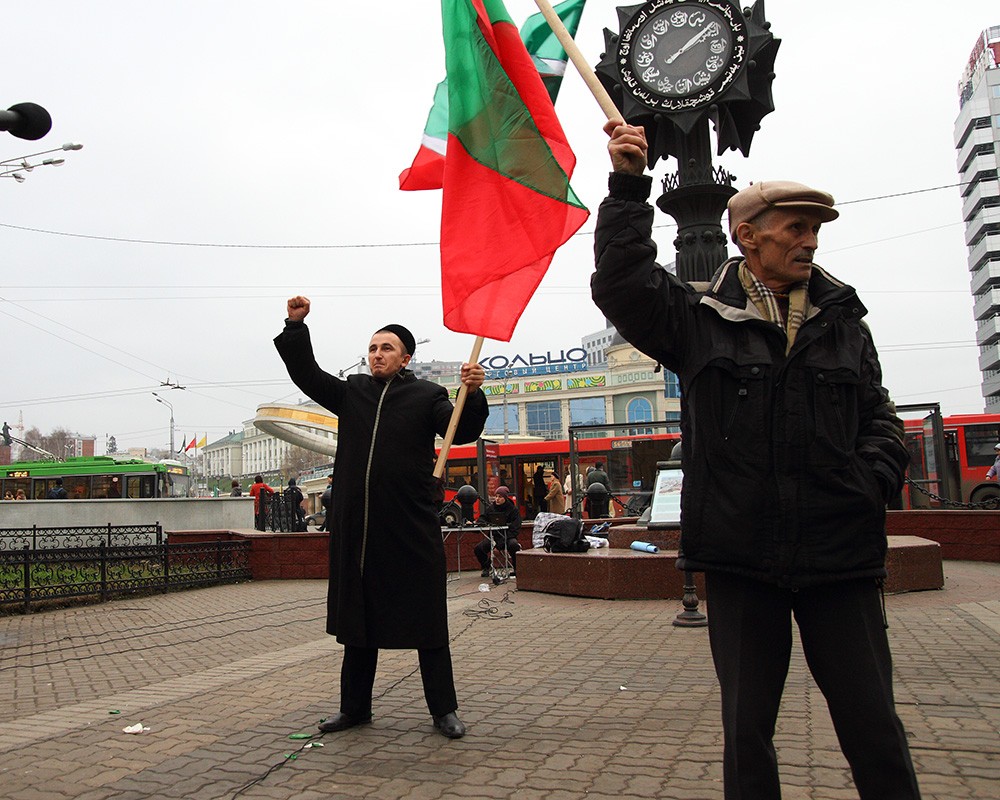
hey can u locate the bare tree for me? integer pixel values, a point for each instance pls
(298, 460)
(61, 442)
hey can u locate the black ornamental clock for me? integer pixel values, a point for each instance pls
(676, 62)
(684, 55)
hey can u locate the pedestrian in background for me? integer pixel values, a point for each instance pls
(993, 471)
(57, 492)
(325, 500)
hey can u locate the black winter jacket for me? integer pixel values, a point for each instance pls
(511, 518)
(788, 461)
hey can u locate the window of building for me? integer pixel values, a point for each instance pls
(494, 422)
(587, 411)
(996, 91)
(639, 409)
(544, 419)
(671, 385)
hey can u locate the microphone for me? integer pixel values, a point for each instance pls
(26, 121)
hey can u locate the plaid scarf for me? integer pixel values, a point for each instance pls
(768, 303)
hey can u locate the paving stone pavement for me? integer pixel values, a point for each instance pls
(564, 697)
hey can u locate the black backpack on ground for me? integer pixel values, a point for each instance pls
(565, 535)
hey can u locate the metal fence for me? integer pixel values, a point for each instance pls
(35, 538)
(278, 513)
(31, 576)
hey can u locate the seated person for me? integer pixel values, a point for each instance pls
(502, 511)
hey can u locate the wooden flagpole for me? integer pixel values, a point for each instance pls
(569, 45)
(449, 435)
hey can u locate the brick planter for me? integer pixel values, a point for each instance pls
(963, 535)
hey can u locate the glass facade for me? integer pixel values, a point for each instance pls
(494, 422)
(639, 410)
(544, 419)
(671, 386)
(587, 411)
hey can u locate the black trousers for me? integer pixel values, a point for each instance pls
(845, 644)
(357, 677)
(482, 550)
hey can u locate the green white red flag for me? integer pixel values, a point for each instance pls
(507, 204)
(427, 170)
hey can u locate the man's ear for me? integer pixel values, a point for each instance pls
(406, 359)
(746, 235)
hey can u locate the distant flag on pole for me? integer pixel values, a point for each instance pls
(427, 170)
(192, 443)
(203, 441)
(507, 203)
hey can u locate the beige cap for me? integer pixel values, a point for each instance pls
(760, 197)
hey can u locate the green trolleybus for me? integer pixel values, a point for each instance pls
(96, 477)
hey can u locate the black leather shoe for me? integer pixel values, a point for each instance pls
(450, 725)
(485, 573)
(341, 721)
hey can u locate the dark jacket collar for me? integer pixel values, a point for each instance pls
(824, 289)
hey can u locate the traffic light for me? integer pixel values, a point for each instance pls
(6, 435)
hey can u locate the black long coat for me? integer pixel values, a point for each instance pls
(387, 563)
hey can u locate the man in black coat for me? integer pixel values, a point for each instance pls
(791, 450)
(293, 503)
(502, 511)
(387, 563)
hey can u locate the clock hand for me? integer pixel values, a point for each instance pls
(690, 43)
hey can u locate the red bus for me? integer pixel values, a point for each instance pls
(969, 441)
(630, 461)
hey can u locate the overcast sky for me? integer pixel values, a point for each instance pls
(271, 136)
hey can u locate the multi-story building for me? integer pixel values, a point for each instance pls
(263, 454)
(224, 458)
(977, 139)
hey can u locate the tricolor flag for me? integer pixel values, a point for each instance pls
(192, 443)
(427, 170)
(507, 204)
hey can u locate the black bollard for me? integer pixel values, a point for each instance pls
(690, 617)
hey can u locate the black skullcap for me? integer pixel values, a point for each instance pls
(409, 343)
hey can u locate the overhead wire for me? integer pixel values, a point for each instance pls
(340, 289)
(367, 245)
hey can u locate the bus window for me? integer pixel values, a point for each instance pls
(979, 443)
(140, 486)
(107, 486)
(77, 487)
(459, 475)
(13, 484)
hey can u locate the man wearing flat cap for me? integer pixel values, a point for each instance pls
(791, 450)
(387, 564)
